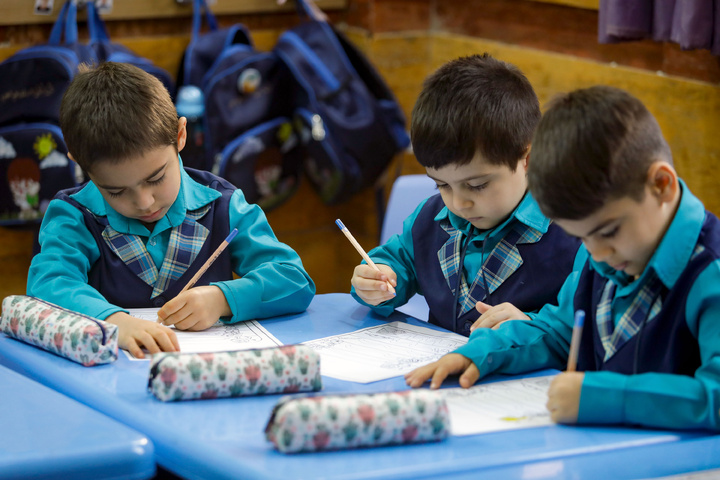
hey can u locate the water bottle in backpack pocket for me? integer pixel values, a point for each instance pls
(264, 162)
(34, 166)
(246, 88)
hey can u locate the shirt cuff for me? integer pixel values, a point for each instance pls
(602, 398)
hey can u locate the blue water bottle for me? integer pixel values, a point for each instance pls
(191, 105)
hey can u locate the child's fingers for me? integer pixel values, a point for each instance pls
(148, 342)
(420, 375)
(441, 373)
(490, 319)
(177, 317)
(167, 340)
(187, 323)
(469, 376)
(172, 307)
(134, 349)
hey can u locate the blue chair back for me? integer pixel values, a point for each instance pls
(406, 194)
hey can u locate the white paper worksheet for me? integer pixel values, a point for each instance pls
(498, 406)
(218, 338)
(381, 352)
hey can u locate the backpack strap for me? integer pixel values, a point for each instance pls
(66, 23)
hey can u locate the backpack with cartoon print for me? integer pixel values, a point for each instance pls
(34, 164)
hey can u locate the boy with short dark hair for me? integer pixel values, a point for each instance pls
(482, 243)
(650, 350)
(140, 229)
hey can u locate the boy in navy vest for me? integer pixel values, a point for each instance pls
(650, 349)
(482, 241)
(143, 226)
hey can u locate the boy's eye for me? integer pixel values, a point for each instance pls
(156, 181)
(441, 186)
(478, 187)
(116, 194)
(610, 233)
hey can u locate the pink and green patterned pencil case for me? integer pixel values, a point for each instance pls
(333, 422)
(191, 376)
(69, 334)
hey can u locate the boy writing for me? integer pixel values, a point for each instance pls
(650, 350)
(483, 241)
(137, 232)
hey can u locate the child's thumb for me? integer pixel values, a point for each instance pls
(482, 307)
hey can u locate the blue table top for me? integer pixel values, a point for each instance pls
(224, 438)
(44, 434)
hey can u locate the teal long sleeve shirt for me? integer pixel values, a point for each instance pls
(398, 252)
(273, 280)
(648, 399)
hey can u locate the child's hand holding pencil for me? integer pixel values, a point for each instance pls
(373, 283)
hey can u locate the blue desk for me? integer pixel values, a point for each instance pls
(44, 434)
(224, 438)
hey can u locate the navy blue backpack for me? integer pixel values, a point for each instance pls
(349, 120)
(108, 51)
(33, 157)
(245, 131)
(34, 164)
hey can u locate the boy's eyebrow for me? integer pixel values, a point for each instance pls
(109, 187)
(467, 179)
(600, 227)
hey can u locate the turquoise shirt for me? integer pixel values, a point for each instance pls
(651, 399)
(398, 252)
(273, 280)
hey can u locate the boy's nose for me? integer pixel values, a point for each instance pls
(461, 202)
(599, 253)
(144, 200)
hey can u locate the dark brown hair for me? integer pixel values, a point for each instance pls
(474, 104)
(116, 111)
(591, 146)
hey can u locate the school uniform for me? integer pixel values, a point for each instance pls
(650, 347)
(524, 261)
(95, 261)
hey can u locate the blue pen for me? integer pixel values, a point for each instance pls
(575, 340)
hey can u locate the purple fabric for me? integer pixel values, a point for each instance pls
(690, 23)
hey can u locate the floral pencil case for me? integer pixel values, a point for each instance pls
(190, 376)
(69, 334)
(333, 422)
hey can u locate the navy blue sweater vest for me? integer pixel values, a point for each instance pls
(120, 286)
(663, 345)
(546, 265)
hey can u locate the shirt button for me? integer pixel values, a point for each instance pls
(159, 302)
(467, 326)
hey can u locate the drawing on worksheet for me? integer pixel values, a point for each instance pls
(218, 338)
(385, 351)
(498, 406)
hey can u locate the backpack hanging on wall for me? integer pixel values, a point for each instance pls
(33, 157)
(108, 51)
(245, 127)
(349, 121)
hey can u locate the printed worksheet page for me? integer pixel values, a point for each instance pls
(381, 352)
(218, 338)
(498, 406)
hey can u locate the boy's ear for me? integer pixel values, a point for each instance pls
(182, 133)
(525, 160)
(663, 181)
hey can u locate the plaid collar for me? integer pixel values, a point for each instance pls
(185, 243)
(502, 262)
(647, 303)
(648, 297)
